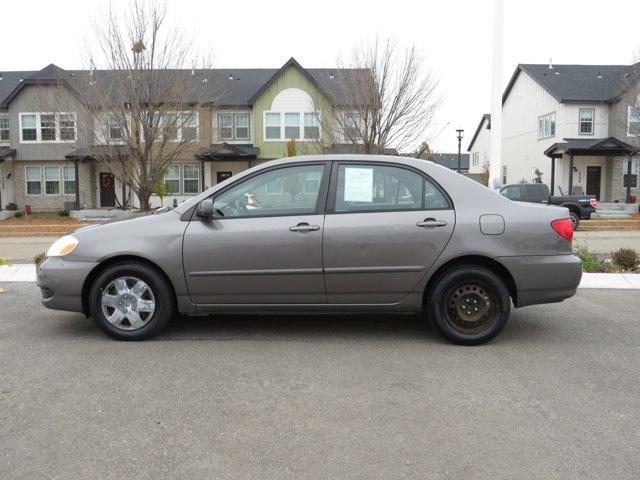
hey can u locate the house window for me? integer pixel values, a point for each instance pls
(28, 125)
(633, 121)
(630, 179)
(48, 127)
(169, 126)
(33, 176)
(188, 126)
(4, 128)
(504, 174)
(272, 126)
(69, 179)
(115, 128)
(52, 180)
(172, 179)
(225, 127)
(311, 126)
(352, 123)
(67, 127)
(190, 179)
(475, 158)
(242, 127)
(291, 125)
(547, 125)
(586, 121)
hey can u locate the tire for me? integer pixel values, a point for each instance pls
(137, 309)
(575, 220)
(461, 291)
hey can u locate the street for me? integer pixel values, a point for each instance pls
(555, 396)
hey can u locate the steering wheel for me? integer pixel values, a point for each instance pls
(242, 208)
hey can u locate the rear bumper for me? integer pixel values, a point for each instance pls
(544, 278)
(61, 283)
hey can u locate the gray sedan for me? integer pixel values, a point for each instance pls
(334, 234)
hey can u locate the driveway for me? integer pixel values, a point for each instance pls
(556, 396)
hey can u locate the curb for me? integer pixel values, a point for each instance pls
(26, 272)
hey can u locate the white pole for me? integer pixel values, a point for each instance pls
(496, 96)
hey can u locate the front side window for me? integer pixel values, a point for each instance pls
(283, 191)
(69, 179)
(52, 180)
(33, 177)
(272, 126)
(633, 121)
(190, 179)
(4, 128)
(378, 188)
(586, 121)
(172, 179)
(547, 125)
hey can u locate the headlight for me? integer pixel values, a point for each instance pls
(63, 246)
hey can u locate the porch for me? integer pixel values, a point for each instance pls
(605, 168)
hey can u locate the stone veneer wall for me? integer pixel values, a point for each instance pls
(49, 203)
(618, 192)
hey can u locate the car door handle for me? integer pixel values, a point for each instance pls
(431, 222)
(304, 227)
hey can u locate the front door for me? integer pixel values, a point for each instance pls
(265, 254)
(107, 190)
(593, 181)
(222, 176)
(385, 226)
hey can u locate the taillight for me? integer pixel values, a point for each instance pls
(563, 227)
(593, 202)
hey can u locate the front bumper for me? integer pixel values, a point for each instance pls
(61, 283)
(544, 278)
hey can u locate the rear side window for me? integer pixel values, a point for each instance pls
(512, 193)
(362, 187)
(536, 192)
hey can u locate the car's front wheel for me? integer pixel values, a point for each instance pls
(468, 305)
(131, 301)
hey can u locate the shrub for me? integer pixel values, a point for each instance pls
(626, 258)
(590, 261)
(5, 261)
(63, 213)
(18, 215)
(38, 258)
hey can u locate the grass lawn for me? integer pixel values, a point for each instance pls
(38, 224)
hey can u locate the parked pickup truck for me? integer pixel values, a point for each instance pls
(580, 206)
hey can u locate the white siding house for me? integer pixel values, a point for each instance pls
(480, 146)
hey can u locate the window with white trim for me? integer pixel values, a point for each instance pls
(115, 128)
(547, 125)
(586, 116)
(172, 179)
(52, 180)
(190, 179)
(225, 126)
(4, 128)
(69, 179)
(241, 127)
(233, 126)
(633, 121)
(188, 126)
(33, 178)
(352, 126)
(272, 126)
(475, 158)
(169, 126)
(48, 127)
(291, 126)
(311, 126)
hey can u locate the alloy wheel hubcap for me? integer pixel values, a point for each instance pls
(128, 303)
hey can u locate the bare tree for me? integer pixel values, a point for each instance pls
(383, 98)
(143, 103)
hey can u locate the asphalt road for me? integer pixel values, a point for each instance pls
(555, 396)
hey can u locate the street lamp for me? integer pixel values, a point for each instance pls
(460, 133)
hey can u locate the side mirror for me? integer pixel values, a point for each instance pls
(205, 208)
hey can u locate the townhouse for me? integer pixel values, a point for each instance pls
(48, 164)
(577, 124)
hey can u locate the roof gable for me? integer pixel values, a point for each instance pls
(486, 118)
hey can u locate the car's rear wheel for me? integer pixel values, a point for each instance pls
(575, 220)
(131, 301)
(468, 305)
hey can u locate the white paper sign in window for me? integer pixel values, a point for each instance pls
(358, 184)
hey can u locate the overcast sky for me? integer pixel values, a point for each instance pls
(454, 38)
